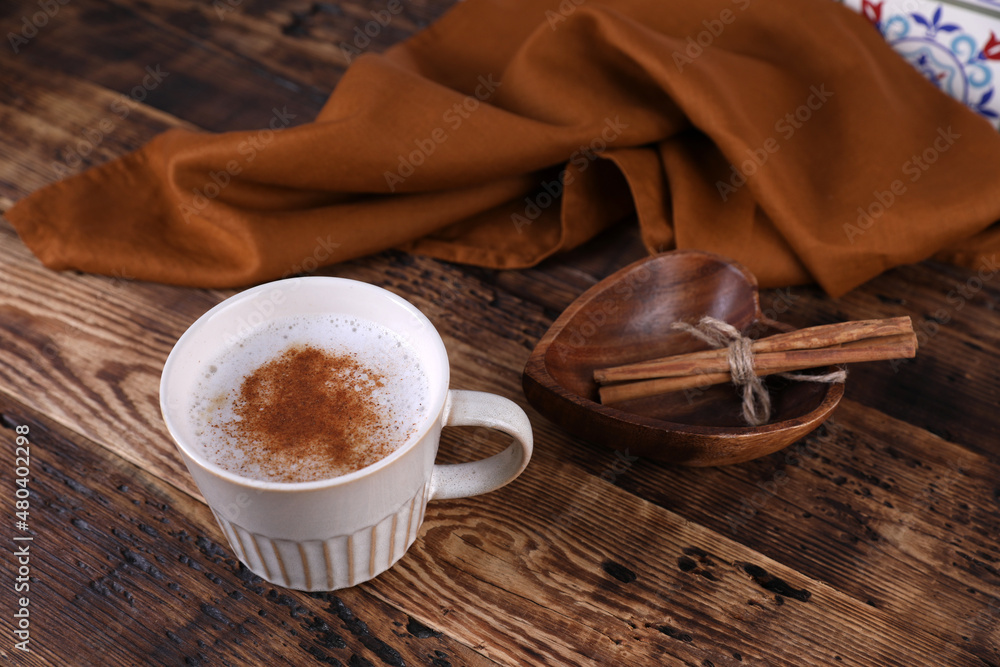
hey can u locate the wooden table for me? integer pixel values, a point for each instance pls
(874, 543)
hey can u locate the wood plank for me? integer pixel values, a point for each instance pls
(882, 511)
(87, 351)
(556, 282)
(126, 570)
(952, 387)
(489, 335)
(57, 125)
(918, 569)
(111, 45)
(310, 44)
(66, 111)
(655, 589)
(634, 583)
(890, 529)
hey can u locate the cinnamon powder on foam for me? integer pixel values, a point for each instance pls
(309, 414)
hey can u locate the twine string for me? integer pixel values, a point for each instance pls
(756, 399)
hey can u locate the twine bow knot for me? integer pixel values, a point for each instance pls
(756, 400)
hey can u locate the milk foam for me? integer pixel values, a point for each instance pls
(402, 401)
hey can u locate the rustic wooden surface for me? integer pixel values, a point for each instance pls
(871, 542)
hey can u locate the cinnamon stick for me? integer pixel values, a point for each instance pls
(716, 360)
(885, 347)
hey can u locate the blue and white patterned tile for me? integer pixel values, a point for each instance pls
(955, 45)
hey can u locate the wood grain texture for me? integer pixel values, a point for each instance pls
(871, 542)
(88, 350)
(488, 335)
(57, 125)
(308, 44)
(632, 577)
(112, 45)
(889, 515)
(128, 571)
(954, 314)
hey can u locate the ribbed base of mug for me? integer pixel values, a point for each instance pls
(337, 562)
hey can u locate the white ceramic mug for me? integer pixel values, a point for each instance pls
(334, 533)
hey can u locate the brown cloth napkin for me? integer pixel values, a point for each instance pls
(785, 134)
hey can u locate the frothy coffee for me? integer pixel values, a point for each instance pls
(306, 398)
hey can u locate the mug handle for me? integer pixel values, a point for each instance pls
(477, 408)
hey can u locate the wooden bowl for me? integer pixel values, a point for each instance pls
(626, 318)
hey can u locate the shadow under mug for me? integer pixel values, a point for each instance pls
(334, 533)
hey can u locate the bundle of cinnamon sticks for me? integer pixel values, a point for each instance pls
(814, 347)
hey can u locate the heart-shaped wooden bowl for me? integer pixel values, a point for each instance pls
(626, 318)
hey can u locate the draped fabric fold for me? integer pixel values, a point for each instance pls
(785, 134)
